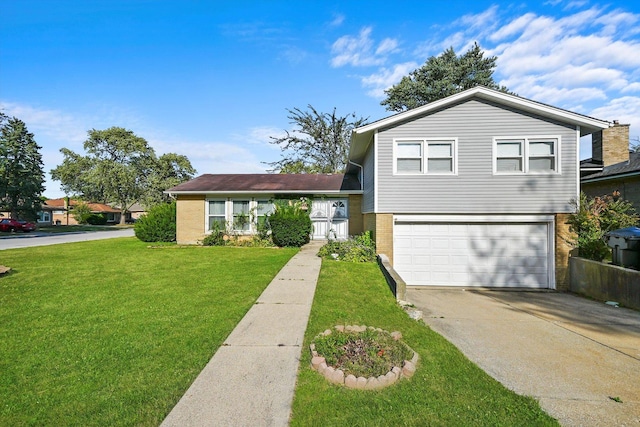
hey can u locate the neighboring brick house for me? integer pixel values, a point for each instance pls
(470, 190)
(61, 211)
(612, 168)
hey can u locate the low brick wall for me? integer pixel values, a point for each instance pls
(395, 282)
(605, 282)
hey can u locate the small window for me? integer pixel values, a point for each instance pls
(428, 156)
(409, 157)
(217, 214)
(241, 220)
(542, 156)
(263, 208)
(509, 156)
(526, 155)
(440, 157)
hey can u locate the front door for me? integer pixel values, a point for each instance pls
(330, 218)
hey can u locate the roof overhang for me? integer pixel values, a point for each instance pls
(587, 180)
(254, 192)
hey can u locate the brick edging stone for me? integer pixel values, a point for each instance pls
(337, 376)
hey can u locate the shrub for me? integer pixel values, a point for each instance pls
(596, 216)
(217, 236)
(81, 213)
(290, 224)
(360, 248)
(158, 225)
(97, 219)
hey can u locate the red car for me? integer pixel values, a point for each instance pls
(10, 224)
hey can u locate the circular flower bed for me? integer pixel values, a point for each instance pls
(362, 357)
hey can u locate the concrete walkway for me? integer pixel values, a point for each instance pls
(251, 379)
(572, 354)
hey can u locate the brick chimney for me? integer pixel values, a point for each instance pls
(611, 145)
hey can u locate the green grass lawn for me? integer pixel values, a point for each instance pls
(111, 332)
(447, 389)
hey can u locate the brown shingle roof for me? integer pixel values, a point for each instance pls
(95, 207)
(269, 183)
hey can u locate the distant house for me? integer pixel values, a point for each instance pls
(612, 167)
(61, 211)
(471, 190)
(134, 212)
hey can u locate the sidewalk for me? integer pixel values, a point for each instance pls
(251, 378)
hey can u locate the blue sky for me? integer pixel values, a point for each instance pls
(212, 80)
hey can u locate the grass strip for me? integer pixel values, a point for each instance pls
(447, 389)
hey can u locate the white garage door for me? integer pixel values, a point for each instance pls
(473, 254)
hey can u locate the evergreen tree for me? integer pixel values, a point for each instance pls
(442, 76)
(21, 174)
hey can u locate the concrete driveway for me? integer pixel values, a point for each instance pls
(575, 356)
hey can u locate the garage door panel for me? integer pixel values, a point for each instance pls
(472, 254)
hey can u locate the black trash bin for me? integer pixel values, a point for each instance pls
(625, 246)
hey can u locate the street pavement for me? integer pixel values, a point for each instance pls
(36, 238)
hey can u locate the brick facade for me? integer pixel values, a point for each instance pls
(563, 248)
(190, 219)
(381, 227)
(611, 146)
(356, 224)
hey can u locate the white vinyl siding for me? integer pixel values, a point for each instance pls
(425, 156)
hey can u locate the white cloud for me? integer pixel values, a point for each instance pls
(633, 87)
(360, 51)
(55, 124)
(385, 78)
(338, 19)
(482, 23)
(517, 25)
(386, 46)
(626, 109)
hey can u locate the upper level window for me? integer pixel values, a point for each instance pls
(524, 155)
(509, 156)
(409, 157)
(425, 156)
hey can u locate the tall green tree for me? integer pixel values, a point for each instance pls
(120, 167)
(442, 76)
(318, 144)
(21, 174)
(168, 171)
